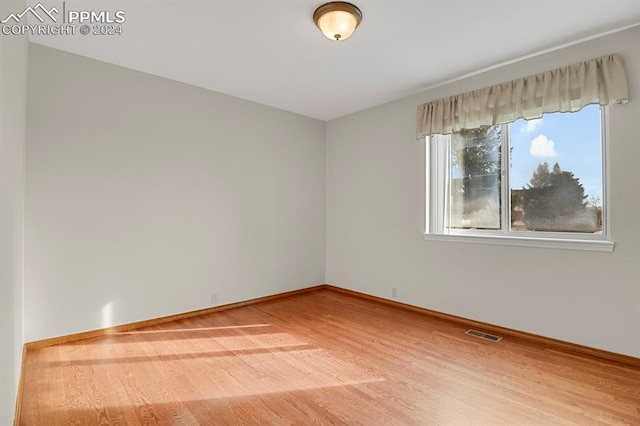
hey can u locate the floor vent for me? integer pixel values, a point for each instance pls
(482, 335)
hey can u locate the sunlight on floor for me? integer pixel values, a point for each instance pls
(186, 330)
(229, 362)
(194, 343)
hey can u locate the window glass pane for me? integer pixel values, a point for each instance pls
(474, 180)
(556, 172)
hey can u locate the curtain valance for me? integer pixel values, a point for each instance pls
(568, 89)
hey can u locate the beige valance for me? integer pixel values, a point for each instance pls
(597, 81)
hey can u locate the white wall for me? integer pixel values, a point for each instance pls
(145, 195)
(375, 224)
(13, 99)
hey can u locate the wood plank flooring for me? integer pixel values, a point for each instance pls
(321, 357)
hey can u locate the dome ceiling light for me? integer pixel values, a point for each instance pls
(337, 20)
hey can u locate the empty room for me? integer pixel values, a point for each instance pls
(299, 212)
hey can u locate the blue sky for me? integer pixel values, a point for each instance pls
(570, 139)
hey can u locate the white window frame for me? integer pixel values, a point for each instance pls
(437, 171)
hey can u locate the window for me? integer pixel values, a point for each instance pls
(539, 182)
(499, 178)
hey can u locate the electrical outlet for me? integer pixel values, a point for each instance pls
(394, 292)
(215, 297)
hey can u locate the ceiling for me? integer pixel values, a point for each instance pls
(270, 52)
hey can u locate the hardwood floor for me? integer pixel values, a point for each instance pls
(321, 357)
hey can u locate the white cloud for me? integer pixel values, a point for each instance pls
(542, 147)
(532, 125)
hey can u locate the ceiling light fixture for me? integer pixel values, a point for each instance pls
(337, 20)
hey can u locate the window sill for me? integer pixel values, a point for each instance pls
(521, 241)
